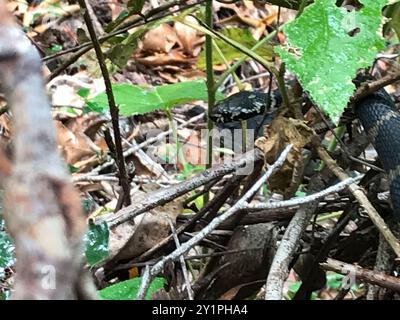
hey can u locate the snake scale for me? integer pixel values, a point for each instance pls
(376, 112)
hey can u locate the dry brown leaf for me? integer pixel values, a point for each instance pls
(281, 132)
(160, 39)
(73, 143)
(128, 241)
(159, 59)
(85, 187)
(188, 37)
(193, 147)
(231, 293)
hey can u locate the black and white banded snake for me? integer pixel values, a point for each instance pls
(376, 112)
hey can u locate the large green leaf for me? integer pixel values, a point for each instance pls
(96, 240)
(127, 290)
(243, 36)
(326, 47)
(133, 99)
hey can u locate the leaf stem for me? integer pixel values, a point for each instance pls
(210, 84)
(238, 63)
(180, 156)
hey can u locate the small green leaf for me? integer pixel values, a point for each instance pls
(334, 280)
(326, 47)
(135, 6)
(55, 48)
(120, 53)
(83, 92)
(72, 169)
(132, 99)
(96, 240)
(92, 106)
(127, 290)
(86, 204)
(300, 194)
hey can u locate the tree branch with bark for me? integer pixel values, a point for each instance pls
(42, 210)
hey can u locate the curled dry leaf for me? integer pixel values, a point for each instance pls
(281, 132)
(73, 143)
(188, 37)
(173, 57)
(160, 39)
(193, 147)
(256, 15)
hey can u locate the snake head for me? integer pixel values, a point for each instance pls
(244, 105)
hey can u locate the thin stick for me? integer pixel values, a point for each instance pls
(354, 272)
(162, 196)
(361, 197)
(146, 278)
(145, 143)
(113, 107)
(182, 261)
(279, 269)
(158, 267)
(368, 88)
(210, 85)
(304, 200)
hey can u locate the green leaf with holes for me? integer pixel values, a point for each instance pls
(133, 99)
(326, 46)
(127, 290)
(96, 240)
(244, 37)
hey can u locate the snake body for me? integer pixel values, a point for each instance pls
(376, 112)
(379, 117)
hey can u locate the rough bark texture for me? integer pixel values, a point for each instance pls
(42, 209)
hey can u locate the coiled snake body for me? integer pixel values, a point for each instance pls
(376, 112)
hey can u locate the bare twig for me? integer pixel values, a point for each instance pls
(279, 269)
(303, 200)
(210, 207)
(145, 279)
(163, 196)
(125, 194)
(145, 143)
(367, 88)
(361, 197)
(157, 268)
(182, 261)
(355, 272)
(210, 82)
(42, 210)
